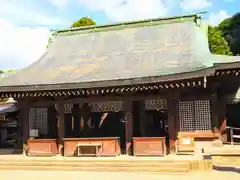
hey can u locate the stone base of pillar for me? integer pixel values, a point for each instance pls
(129, 148)
(60, 149)
(25, 150)
(172, 147)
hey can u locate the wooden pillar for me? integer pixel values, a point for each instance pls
(142, 118)
(215, 110)
(128, 125)
(222, 106)
(24, 124)
(172, 124)
(61, 133)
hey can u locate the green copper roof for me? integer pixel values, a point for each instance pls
(120, 54)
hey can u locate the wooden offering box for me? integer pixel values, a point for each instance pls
(108, 146)
(42, 147)
(149, 146)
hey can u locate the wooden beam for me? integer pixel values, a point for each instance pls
(199, 93)
(77, 99)
(99, 91)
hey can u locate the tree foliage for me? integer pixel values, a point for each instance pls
(12, 70)
(3, 99)
(84, 21)
(217, 42)
(50, 40)
(231, 31)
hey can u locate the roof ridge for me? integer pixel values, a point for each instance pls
(127, 23)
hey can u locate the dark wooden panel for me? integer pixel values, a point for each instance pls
(42, 147)
(109, 146)
(149, 146)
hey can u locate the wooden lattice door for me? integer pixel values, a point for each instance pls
(194, 115)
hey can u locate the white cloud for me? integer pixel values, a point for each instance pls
(21, 45)
(127, 10)
(59, 3)
(216, 18)
(26, 13)
(24, 32)
(187, 5)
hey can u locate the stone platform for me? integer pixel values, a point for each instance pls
(171, 164)
(225, 150)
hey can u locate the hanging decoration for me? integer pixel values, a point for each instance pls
(89, 123)
(72, 122)
(103, 117)
(81, 124)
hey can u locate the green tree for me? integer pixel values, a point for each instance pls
(50, 40)
(1, 71)
(217, 42)
(11, 70)
(3, 99)
(231, 31)
(84, 21)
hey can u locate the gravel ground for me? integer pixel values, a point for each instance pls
(64, 175)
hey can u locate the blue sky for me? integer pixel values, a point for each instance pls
(25, 24)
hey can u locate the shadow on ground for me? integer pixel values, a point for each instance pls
(227, 168)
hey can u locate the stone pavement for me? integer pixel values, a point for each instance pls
(63, 175)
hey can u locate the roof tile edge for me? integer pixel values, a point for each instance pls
(196, 16)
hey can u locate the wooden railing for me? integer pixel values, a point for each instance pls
(234, 133)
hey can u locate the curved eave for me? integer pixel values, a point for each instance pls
(227, 65)
(226, 62)
(111, 83)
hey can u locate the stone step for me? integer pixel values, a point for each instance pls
(226, 158)
(227, 163)
(83, 164)
(97, 168)
(229, 157)
(233, 161)
(94, 160)
(113, 165)
(227, 150)
(99, 162)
